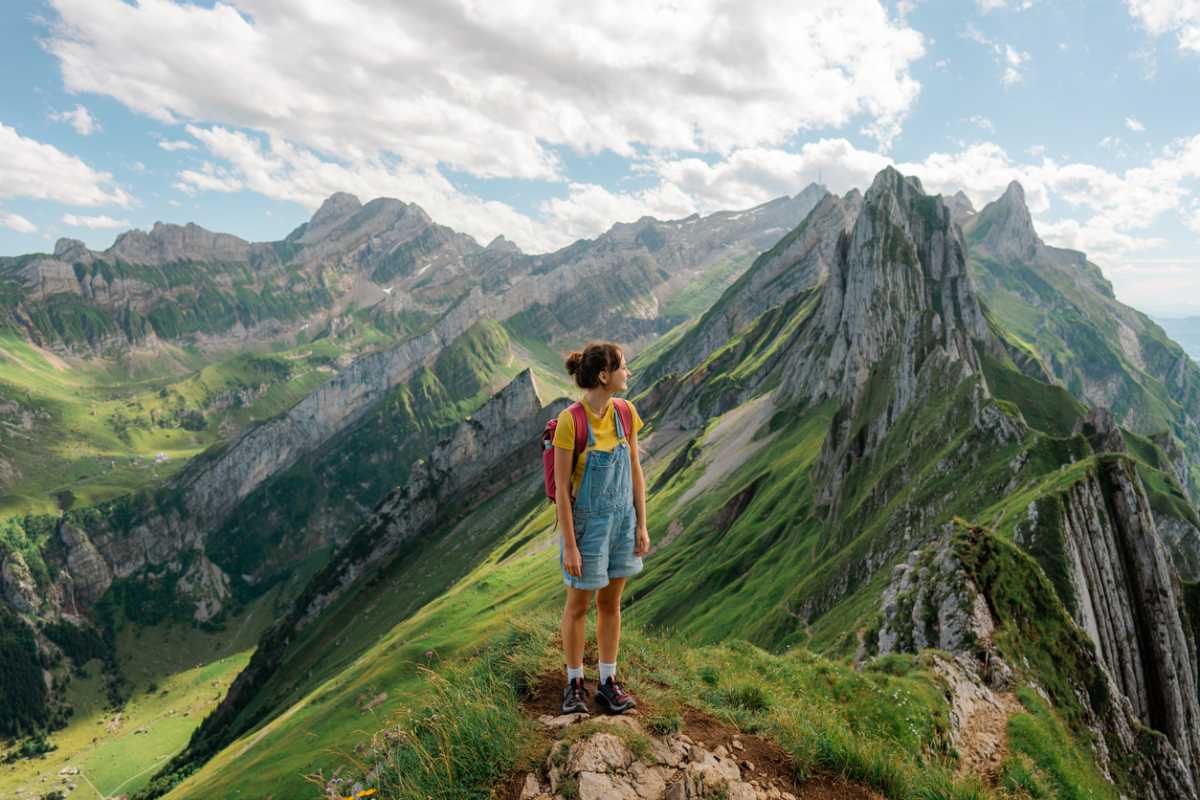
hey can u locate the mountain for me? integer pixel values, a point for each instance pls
(182, 283)
(865, 466)
(258, 512)
(1058, 307)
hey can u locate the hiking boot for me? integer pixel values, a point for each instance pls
(573, 694)
(613, 697)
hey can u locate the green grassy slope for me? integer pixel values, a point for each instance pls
(175, 674)
(749, 560)
(77, 433)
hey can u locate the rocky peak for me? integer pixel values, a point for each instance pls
(71, 251)
(168, 242)
(1005, 227)
(503, 245)
(336, 209)
(899, 283)
(898, 320)
(961, 207)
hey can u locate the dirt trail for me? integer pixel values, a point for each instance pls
(983, 738)
(760, 762)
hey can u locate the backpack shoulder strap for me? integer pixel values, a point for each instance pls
(626, 413)
(580, 419)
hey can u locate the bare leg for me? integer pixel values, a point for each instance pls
(608, 619)
(573, 628)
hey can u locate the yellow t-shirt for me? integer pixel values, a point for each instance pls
(604, 431)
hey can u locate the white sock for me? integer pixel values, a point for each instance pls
(608, 671)
(575, 672)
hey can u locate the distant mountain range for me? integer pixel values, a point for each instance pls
(883, 428)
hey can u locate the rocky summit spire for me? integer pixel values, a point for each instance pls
(337, 208)
(899, 285)
(961, 208)
(1004, 226)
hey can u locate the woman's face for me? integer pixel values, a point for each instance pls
(618, 379)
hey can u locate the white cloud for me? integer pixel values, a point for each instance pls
(29, 168)
(493, 88)
(988, 6)
(982, 122)
(1166, 286)
(209, 178)
(16, 222)
(283, 171)
(95, 223)
(1134, 125)
(80, 119)
(177, 144)
(1181, 17)
(1013, 60)
(1010, 58)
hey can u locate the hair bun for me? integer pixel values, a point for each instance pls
(574, 359)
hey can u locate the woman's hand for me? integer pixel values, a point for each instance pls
(642, 543)
(572, 561)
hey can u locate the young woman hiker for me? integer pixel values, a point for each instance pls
(601, 502)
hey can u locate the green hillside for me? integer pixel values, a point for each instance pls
(815, 541)
(79, 432)
(721, 598)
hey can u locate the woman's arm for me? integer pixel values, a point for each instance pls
(572, 562)
(642, 545)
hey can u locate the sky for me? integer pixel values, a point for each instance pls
(549, 121)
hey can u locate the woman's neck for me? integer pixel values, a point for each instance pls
(597, 399)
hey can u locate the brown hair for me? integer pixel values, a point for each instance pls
(585, 365)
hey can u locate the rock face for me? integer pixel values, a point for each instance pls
(168, 243)
(961, 208)
(797, 264)
(477, 454)
(1124, 593)
(17, 585)
(897, 297)
(935, 600)
(87, 574)
(931, 602)
(899, 284)
(1005, 227)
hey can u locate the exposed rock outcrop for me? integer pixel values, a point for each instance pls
(1122, 591)
(937, 600)
(17, 584)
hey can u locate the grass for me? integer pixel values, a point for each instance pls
(176, 674)
(1041, 760)
(91, 431)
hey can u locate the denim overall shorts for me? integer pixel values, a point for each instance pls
(604, 515)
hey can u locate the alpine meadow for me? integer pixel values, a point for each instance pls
(920, 461)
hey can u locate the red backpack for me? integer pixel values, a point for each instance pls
(581, 423)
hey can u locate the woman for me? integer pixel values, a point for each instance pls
(602, 513)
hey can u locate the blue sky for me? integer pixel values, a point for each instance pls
(547, 123)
